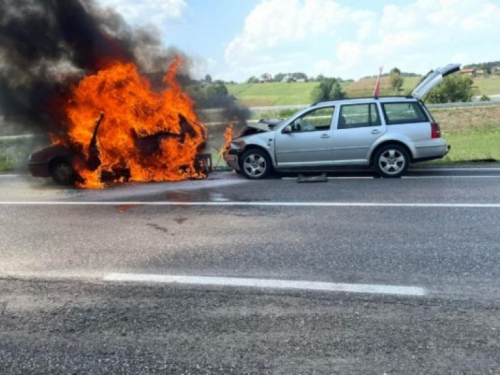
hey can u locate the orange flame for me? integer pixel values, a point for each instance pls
(153, 136)
(228, 137)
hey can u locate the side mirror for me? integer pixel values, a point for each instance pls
(287, 129)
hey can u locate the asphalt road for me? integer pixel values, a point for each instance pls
(356, 275)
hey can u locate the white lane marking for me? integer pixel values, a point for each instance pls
(452, 177)
(13, 175)
(260, 204)
(487, 169)
(268, 284)
(404, 177)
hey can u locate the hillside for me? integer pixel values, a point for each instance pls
(278, 93)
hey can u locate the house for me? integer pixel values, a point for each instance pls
(469, 72)
(266, 77)
(480, 72)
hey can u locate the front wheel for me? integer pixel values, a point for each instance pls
(391, 161)
(255, 164)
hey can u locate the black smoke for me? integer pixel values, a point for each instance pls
(48, 45)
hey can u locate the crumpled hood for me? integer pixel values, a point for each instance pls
(265, 124)
(259, 126)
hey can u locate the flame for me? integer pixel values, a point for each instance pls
(228, 137)
(144, 135)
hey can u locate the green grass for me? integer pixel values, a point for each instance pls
(278, 93)
(273, 94)
(14, 155)
(473, 146)
(6, 164)
(487, 86)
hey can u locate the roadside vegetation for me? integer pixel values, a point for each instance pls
(13, 155)
(473, 133)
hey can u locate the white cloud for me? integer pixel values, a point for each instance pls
(140, 12)
(429, 30)
(276, 22)
(349, 54)
(340, 39)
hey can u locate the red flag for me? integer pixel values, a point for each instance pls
(376, 91)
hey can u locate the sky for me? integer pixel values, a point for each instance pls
(237, 39)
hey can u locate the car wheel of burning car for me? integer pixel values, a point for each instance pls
(62, 172)
(255, 164)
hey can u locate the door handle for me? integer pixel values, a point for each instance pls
(325, 136)
(376, 131)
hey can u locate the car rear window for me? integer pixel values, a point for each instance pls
(358, 116)
(402, 113)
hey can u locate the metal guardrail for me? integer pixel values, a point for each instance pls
(463, 105)
(300, 106)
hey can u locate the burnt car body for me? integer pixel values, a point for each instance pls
(54, 161)
(58, 161)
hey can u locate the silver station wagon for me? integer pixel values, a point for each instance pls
(386, 133)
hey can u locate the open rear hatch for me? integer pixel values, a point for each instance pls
(432, 79)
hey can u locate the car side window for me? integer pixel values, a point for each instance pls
(316, 120)
(359, 116)
(402, 113)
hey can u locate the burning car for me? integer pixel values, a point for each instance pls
(140, 135)
(57, 161)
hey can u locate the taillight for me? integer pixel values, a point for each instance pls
(435, 130)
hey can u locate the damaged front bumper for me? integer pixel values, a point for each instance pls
(233, 156)
(232, 159)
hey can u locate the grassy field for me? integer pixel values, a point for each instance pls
(473, 133)
(278, 93)
(273, 94)
(487, 86)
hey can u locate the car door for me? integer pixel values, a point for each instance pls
(358, 126)
(307, 140)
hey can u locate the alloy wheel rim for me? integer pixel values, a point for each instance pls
(392, 162)
(255, 165)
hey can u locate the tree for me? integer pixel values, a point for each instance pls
(213, 92)
(208, 78)
(279, 77)
(320, 78)
(252, 79)
(336, 92)
(396, 80)
(211, 95)
(328, 89)
(455, 88)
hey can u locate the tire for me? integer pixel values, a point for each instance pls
(62, 172)
(391, 161)
(255, 164)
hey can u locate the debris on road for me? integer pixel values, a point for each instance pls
(317, 178)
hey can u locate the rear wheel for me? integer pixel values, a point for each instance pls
(391, 161)
(255, 164)
(62, 172)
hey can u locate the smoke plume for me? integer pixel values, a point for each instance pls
(47, 46)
